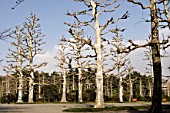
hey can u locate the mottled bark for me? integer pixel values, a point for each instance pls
(39, 87)
(130, 88)
(63, 98)
(99, 74)
(31, 81)
(79, 79)
(150, 89)
(30, 95)
(19, 68)
(20, 90)
(156, 106)
(140, 88)
(73, 84)
(119, 65)
(120, 89)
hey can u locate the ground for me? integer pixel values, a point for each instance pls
(57, 108)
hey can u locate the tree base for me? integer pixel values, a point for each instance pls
(63, 101)
(19, 101)
(99, 105)
(155, 110)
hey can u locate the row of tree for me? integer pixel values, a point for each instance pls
(29, 39)
(159, 18)
(48, 87)
(26, 45)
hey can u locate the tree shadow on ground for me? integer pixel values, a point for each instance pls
(117, 109)
(11, 109)
(165, 109)
(132, 110)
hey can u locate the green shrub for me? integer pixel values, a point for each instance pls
(4, 99)
(147, 98)
(164, 96)
(72, 96)
(168, 98)
(85, 96)
(50, 93)
(106, 98)
(92, 94)
(141, 98)
(25, 97)
(125, 97)
(113, 99)
(89, 95)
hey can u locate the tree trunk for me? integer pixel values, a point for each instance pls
(39, 87)
(150, 89)
(111, 87)
(68, 88)
(120, 89)
(140, 88)
(79, 74)
(39, 91)
(80, 85)
(168, 90)
(7, 85)
(63, 99)
(99, 102)
(120, 77)
(130, 88)
(156, 106)
(20, 90)
(30, 96)
(73, 83)
(31, 81)
(19, 68)
(99, 74)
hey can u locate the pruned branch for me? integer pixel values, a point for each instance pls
(5, 33)
(139, 3)
(17, 3)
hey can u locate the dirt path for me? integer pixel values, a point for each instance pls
(57, 108)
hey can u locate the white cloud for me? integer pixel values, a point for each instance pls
(164, 32)
(49, 58)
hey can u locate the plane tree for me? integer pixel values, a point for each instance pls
(159, 18)
(64, 63)
(96, 9)
(32, 45)
(79, 46)
(15, 59)
(118, 58)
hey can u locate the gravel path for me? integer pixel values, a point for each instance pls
(57, 108)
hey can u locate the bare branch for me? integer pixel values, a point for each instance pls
(139, 3)
(17, 3)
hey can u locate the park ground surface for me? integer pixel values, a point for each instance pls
(58, 107)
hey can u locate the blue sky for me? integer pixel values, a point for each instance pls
(52, 14)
